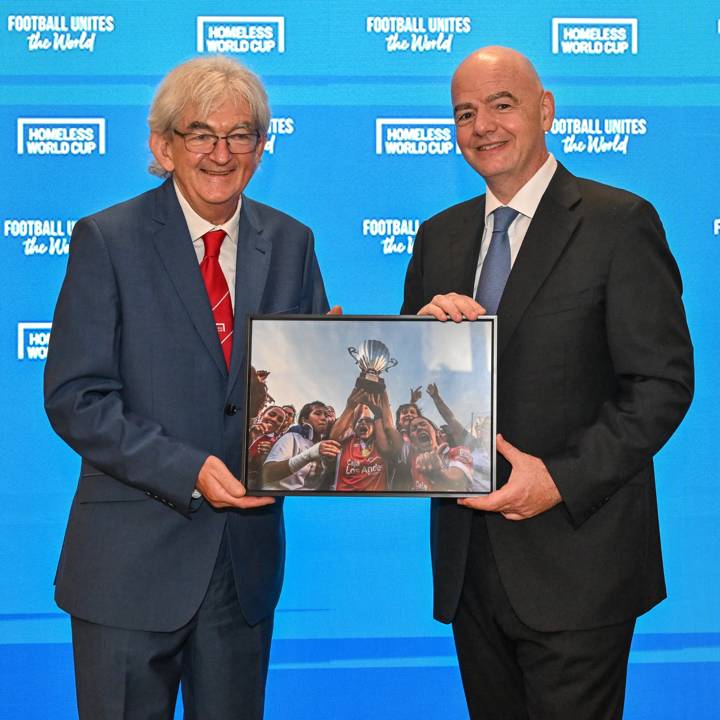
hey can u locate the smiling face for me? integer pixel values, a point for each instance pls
(501, 115)
(273, 418)
(406, 413)
(210, 182)
(423, 435)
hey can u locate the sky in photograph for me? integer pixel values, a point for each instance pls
(309, 360)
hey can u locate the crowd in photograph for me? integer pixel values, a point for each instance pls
(367, 447)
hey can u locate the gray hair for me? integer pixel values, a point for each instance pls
(206, 83)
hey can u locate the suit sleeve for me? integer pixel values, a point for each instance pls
(84, 385)
(315, 300)
(652, 357)
(413, 298)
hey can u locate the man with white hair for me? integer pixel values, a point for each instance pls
(170, 572)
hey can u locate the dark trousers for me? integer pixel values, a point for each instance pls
(511, 672)
(220, 661)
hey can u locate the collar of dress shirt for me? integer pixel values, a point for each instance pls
(527, 198)
(198, 226)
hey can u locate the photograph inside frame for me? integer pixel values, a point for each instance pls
(352, 405)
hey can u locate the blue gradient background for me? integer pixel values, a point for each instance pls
(354, 634)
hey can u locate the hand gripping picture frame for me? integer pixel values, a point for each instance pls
(370, 405)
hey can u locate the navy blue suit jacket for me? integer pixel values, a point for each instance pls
(137, 384)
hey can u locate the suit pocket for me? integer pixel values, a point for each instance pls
(100, 487)
(566, 302)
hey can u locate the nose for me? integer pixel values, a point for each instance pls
(484, 122)
(221, 152)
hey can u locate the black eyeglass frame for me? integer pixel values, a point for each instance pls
(184, 136)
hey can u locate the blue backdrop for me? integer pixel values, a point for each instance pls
(361, 150)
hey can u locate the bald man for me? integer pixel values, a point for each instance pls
(544, 578)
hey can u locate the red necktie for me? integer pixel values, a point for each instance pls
(217, 289)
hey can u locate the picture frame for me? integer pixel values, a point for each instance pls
(370, 405)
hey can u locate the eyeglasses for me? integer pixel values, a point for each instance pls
(238, 143)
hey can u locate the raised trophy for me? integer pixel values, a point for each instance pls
(373, 358)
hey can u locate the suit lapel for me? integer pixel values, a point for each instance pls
(253, 261)
(463, 248)
(550, 229)
(174, 245)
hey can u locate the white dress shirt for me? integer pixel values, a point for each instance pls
(525, 201)
(198, 226)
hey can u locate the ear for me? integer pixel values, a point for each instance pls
(547, 110)
(162, 150)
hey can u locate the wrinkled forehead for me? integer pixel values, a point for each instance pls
(226, 112)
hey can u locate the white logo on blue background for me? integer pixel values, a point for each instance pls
(60, 33)
(61, 136)
(594, 36)
(597, 136)
(243, 34)
(396, 235)
(418, 34)
(32, 340)
(278, 126)
(415, 136)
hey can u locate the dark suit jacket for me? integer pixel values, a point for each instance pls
(136, 383)
(594, 375)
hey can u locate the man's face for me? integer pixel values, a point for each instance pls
(501, 116)
(331, 414)
(210, 182)
(364, 428)
(422, 435)
(407, 414)
(318, 419)
(273, 418)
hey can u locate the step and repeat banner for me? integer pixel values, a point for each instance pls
(362, 149)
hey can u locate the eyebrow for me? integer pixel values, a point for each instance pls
(500, 94)
(199, 125)
(488, 99)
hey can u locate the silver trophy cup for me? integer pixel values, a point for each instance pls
(373, 358)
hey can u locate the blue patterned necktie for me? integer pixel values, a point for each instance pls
(496, 266)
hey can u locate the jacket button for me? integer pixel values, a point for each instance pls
(231, 409)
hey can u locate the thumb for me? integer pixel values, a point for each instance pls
(234, 486)
(251, 501)
(335, 310)
(508, 451)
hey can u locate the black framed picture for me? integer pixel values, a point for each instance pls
(370, 405)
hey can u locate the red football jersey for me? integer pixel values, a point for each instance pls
(360, 468)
